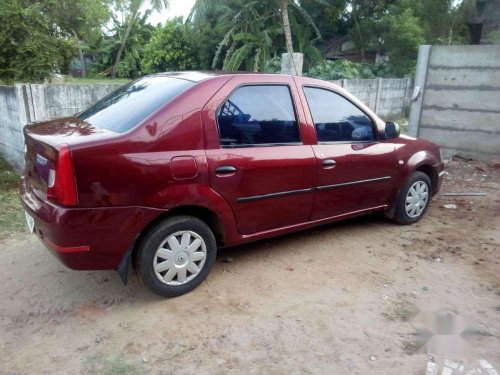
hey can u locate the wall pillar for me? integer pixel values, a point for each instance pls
(424, 53)
(291, 63)
(377, 98)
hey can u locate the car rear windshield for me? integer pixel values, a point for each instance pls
(131, 104)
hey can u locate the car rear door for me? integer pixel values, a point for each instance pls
(355, 172)
(259, 154)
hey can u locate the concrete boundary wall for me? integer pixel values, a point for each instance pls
(12, 115)
(26, 103)
(459, 104)
(59, 100)
(387, 97)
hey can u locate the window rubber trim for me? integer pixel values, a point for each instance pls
(263, 145)
(333, 91)
(294, 104)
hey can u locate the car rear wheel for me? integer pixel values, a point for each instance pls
(414, 199)
(176, 256)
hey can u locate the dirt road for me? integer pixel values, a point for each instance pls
(332, 300)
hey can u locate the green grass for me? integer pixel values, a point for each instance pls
(97, 364)
(11, 212)
(401, 310)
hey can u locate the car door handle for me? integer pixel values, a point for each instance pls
(225, 169)
(329, 163)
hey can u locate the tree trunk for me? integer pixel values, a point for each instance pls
(474, 19)
(450, 36)
(83, 68)
(122, 46)
(475, 32)
(360, 36)
(286, 25)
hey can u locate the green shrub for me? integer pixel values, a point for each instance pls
(339, 69)
(273, 65)
(31, 46)
(169, 49)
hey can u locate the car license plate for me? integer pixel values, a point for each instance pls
(31, 222)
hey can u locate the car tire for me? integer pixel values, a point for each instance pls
(176, 255)
(414, 199)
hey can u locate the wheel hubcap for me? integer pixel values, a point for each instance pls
(179, 258)
(416, 199)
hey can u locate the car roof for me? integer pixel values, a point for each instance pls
(197, 76)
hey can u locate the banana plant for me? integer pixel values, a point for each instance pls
(107, 48)
(133, 10)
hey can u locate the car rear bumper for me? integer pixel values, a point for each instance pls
(86, 238)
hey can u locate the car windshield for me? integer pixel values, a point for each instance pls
(131, 104)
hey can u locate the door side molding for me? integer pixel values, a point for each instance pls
(334, 186)
(300, 191)
(273, 195)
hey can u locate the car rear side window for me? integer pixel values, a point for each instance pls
(336, 119)
(258, 115)
(131, 104)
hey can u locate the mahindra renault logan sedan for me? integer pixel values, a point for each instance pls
(165, 170)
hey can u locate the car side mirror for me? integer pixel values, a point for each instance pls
(391, 130)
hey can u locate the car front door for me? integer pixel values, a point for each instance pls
(259, 155)
(355, 172)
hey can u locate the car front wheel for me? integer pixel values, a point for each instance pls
(414, 199)
(176, 255)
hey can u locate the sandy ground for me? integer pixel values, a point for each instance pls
(333, 300)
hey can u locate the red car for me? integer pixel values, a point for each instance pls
(168, 168)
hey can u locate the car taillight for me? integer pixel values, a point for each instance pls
(61, 186)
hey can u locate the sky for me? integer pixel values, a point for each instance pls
(177, 8)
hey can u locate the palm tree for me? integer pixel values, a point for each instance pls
(256, 47)
(286, 25)
(246, 18)
(252, 28)
(133, 12)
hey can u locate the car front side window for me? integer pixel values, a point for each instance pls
(258, 115)
(336, 119)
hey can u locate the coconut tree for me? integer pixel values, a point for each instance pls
(105, 47)
(286, 25)
(252, 30)
(283, 8)
(133, 10)
(247, 21)
(254, 49)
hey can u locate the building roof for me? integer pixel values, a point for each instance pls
(332, 46)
